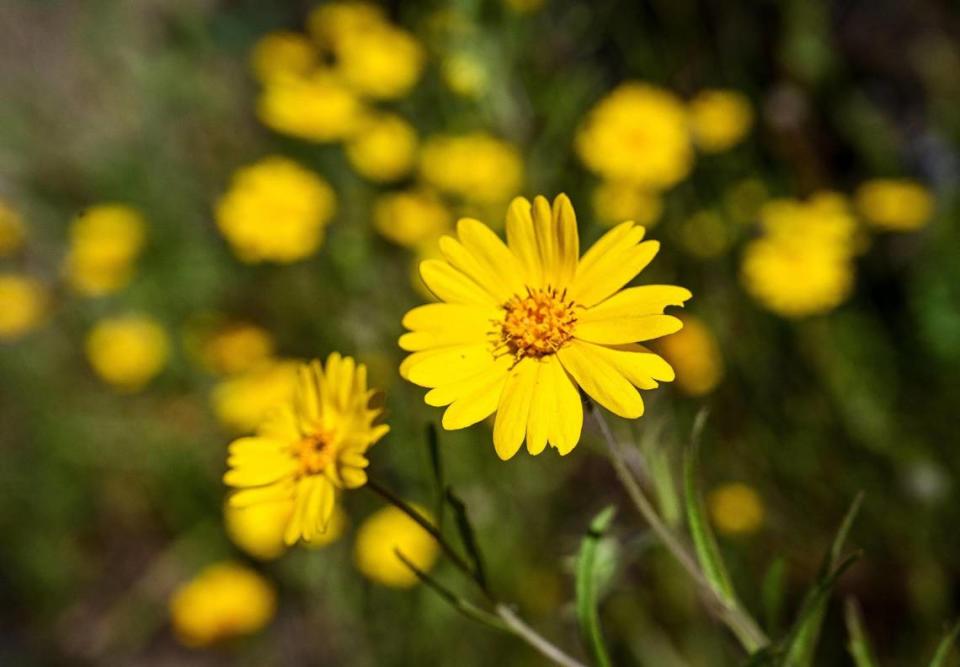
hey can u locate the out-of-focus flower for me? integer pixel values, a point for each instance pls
(411, 218)
(225, 600)
(235, 348)
(465, 74)
(383, 534)
(384, 148)
(824, 218)
(736, 509)
(243, 401)
(332, 22)
(258, 529)
(614, 202)
(896, 205)
(477, 167)
(282, 54)
(524, 324)
(317, 106)
(381, 62)
(309, 449)
(127, 351)
(276, 211)
(637, 134)
(23, 305)
(105, 241)
(12, 230)
(719, 119)
(705, 234)
(744, 199)
(695, 356)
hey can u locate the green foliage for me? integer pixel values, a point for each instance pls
(589, 567)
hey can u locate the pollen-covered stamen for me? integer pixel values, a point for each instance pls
(315, 453)
(537, 324)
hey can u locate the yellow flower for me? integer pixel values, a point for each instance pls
(383, 534)
(719, 119)
(410, 218)
(276, 211)
(695, 356)
(824, 218)
(384, 148)
(523, 324)
(236, 347)
(258, 529)
(223, 601)
(736, 509)
(382, 61)
(127, 351)
(637, 134)
(477, 167)
(309, 449)
(282, 54)
(615, 202)
(12, 230)
(243, 401)
(897, 205)
(23, 305)
(105, 241)
(332, 22)
(465, 74)
(317, 106)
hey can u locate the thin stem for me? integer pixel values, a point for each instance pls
(529, 635)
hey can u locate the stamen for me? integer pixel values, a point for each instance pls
(537, 324)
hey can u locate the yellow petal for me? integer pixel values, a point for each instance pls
(353, 478)
(263, 494)
(568, 241)
(476, 405)
(256, 446)
(294, 530)
(619, 238)
(452, 285)
(440, 324)
(280, 424)
(634, 301)
(479, 271)
(639, 365)
(260, 470)
(546, 237)
(449, 392)
(433, 368)
(491, 253)
(601, 380)
(523, 242)
(611, 272)
(556, 412)
(510, 427)
(618, 331)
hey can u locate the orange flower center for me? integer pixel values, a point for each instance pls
(537, 324)
(315, 453)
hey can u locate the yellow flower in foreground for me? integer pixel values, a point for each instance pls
(225, 600)
(411, 218)
(105, 241)
(614, 202)
(276, 211)
(897, 205)
(695, 356)
(12, 230)
(317, 107)
(282, 53)
(637, 134)
(523, 324)
(309, 449)
(382, 62)
(23, 305)
(384, 148)
(332, 22)
(719, 119)
(258, 529)
(736, 509)
(127, 351)
(477, 167)
(243, 401)
(236, 347)
(379, 537)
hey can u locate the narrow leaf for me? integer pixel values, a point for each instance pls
(772, 595)
(943, 649)
(587, 615)
(436, 466)
(858, 643)
(467, 536)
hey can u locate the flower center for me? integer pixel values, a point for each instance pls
(315, 452)
(537, 324)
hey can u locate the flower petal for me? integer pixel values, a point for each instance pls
(642, 300)
(618, 331)
(452, 285)
(475, 268)
(510, 428)
(433, 368)
(639, 365)
(457, 388)
(523, 242)
(257, 495)
(568, 241)
(476, 405)
(601, 380)
(612, 271)
(556, 411)
(440, 324)
(491, 253)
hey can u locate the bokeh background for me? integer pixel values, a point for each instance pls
(138, 340)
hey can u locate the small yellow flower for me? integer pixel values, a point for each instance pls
(332, 22)
(614, 202)
(275, 211)
(309, 449)
(411, 217)
(316, 106)
(523, 324)
(736, 509)
(127, 351)
(383, 534)
(719, 119)
(384, 148)
(465, 74)
(476, 167)
(896, 205)
(236, 347)
(381, 62)
(12, 230)
(258, 529)
(637, 134)
(282, 54)
(105, 241)
(695, 356)
(225, 600)
(23, 305)
(241, 402)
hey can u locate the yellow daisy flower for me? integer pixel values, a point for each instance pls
(309, 449)
(522, 324)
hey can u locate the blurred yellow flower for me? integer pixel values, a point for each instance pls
(523, 324)
(465, 74)
(23, 305)
(243, 401)
(105, 241)
(637, 134)
(695, 356)
(282, 54)
(236, 347)
(223, 601)
(410, 217)
(477, 167)
(258, 529)
(823, 218)
(719, 119)
(317, 106)
(127, 351)
(309, 449)
(12, 230)
(332, 22)
(896, 205)
(736, 509)
(616, 201)
(384, 148)
(383, 533)
(381, 62)
(276, 211)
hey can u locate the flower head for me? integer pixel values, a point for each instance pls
(282, 54)
(235, 347)
(695, 355)
(127, 351)
(23, 305)
(309, 449)
(476, 167)
(719, 119)
(242, 401)
(896, 205)
(332, 22)
(410, 218)
(381, 62)
(383, 534)
(317, 106)
(384, 148)
(105, 240)
(736, 509)
(522, 324)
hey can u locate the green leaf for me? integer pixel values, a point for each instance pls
(467, 535)
(858, 643)
(943, 649)
(772, 594)
(586, 586)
